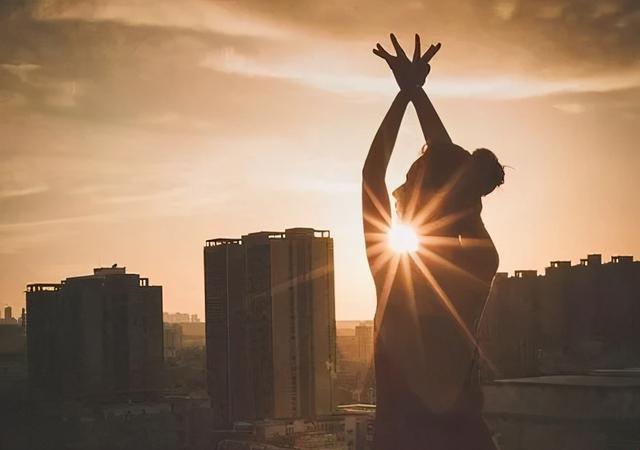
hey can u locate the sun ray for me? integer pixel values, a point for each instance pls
(442, 295)
(386, 290)
(382, 259)
(377, 203)
(407, 276)
(375, 236)
(408, 279)
(428, 228)
(439, 259)
(379, 224)
(436, 200)
(377, 248)
(415, 194)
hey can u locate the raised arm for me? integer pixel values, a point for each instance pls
(432, 127)
(376, 209)
(410, 76)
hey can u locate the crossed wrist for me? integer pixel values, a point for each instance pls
(411, 90)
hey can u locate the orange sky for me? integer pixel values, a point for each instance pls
(132, 133)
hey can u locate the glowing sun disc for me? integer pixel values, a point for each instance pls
(403, 238)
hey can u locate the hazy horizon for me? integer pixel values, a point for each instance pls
(133, 134)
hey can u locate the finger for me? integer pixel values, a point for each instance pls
(380, 54)
(396, 45)
(384, 54)
(416, 49)
(433, 49)
(430, 52)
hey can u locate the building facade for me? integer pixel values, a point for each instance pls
(572, 319)
(96, 335)
(355, 380)
(594, 411)
(270, 309)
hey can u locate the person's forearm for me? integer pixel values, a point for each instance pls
(432, 127)
(384, 141)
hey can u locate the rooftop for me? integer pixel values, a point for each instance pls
(599, 379)
(297, 232)
(592, 260)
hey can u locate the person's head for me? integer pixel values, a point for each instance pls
(450, 172)
(487, 170)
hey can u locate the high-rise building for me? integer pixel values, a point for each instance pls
(8, 317)
(270, 318)
(224, 313)
(98, 335)
(364, 340)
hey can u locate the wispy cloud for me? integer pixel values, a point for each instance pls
(22, 71)
(570, 108)
(342, 80)
(24, 191)
(219, 17)
(12, 226)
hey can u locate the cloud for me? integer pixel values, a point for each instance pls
(570, 108)
(527, 41)
(195, 66)
(24, 191)
(316, 73)
(21, 71)
(201, 15)
(13, 226)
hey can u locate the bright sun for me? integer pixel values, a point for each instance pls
(403, 238)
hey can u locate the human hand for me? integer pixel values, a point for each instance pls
(409, 74)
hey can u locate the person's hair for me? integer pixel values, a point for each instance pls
(490, 170)
(445, 164)
(442, 162)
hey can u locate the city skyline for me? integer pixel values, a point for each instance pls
(353, 321)
(132, 135)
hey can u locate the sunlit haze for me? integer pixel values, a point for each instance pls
(403, 238)
(131, 133)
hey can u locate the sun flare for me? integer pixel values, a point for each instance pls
(403, 238)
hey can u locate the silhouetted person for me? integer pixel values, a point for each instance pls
(429, 299)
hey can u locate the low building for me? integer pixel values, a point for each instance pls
(349, 429)
(193, 334)
(13, 362)
(147, 425)
(598, 411)
(173, 339)
(355, 380)
(97, 335)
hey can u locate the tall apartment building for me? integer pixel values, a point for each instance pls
(99, 335)
(8, 317)
(225, 315)
(572, 319)
(270, 310)
(364, 340)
